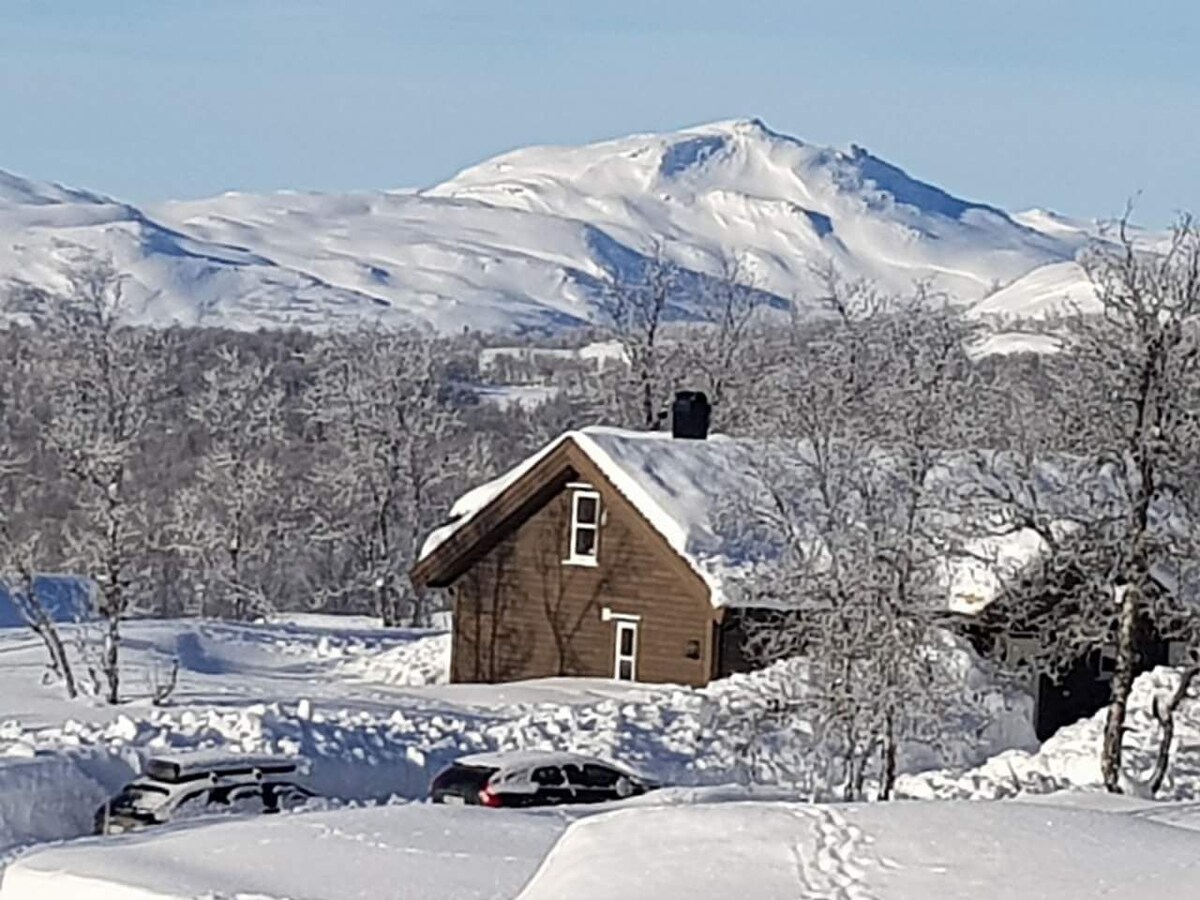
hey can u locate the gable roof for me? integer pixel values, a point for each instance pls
(678, 487)
(695, 495)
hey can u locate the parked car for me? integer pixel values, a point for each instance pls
(534, 779)
(201, 783)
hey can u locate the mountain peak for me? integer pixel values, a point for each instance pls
(16, 190)
(528, 239)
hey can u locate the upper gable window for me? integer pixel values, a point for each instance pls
(585, 527)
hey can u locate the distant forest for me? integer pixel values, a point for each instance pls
(207, 472)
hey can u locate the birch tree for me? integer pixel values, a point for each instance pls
(398, 447)
(100, 405)
(857, 492)
(1128, 529)
(636, 309)
(230, 519)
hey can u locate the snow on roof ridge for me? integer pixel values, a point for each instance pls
(680, 528)
(674, 531)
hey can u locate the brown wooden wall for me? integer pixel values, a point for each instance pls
(520, 612)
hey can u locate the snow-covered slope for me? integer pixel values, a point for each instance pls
(524, 241)
(738, 188)
(1056, 289)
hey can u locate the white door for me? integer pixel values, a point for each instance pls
(625, 664)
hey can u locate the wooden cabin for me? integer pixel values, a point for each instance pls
(607, 555)
(592, 558)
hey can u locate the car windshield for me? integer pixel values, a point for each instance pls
(474, 778)
(139, 797)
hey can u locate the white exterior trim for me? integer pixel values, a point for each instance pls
(607, 615)
(624, 625)
(573, 558)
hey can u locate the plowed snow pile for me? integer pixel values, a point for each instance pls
(1070, 760)
(342, 700)
(414, 852)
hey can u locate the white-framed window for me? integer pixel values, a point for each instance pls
(626, 649)
(585, 528)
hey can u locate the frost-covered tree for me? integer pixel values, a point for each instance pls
(857, 488)
(99, 408)
(398, 449)
(636, 307)
(230, 519)
(1117, 514)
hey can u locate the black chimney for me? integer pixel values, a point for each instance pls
(689, 415)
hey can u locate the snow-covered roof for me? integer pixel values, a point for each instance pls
(705, 496)
(510, 760)
(679, 487)
(190, 763)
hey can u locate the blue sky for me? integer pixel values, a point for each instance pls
(1071, 105)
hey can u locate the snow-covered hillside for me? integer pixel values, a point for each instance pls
(525, 240)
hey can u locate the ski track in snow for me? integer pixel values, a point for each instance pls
(828, 868)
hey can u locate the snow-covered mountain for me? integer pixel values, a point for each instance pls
(526, 240)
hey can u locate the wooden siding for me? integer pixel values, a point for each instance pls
(521, 612)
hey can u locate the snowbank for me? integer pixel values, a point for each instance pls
(1070, 760)
(45, 798)
(418, 852)
(733, 850)
(679, 735)
(423, 660)
(365, 707)
(934, 851)
(760, 850)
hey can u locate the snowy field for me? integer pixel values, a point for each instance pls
(765, 850)
(370, 708)
(418, 852)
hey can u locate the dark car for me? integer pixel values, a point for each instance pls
(525, 778)
(173, 788)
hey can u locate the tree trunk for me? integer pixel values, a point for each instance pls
(112, 669)
(58, 659)
(888, 777)
(30, 606)
(1165, 714)
(1122, 685)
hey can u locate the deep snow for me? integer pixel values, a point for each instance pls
(347, 701)
(343, 693)
(704, 850)
(931, 851)
(1070, 759)
(416, 852)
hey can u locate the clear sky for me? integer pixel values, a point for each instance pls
(1070, 105)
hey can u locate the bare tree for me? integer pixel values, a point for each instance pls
(99, 410)
(723, 348)
(1164, 714)
(231, 517)
(1144, 350)
(398, 445)
(858, 490)
(636, 310)
(19, 579)
(1113, 498)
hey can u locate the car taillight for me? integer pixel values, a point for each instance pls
(488, 797)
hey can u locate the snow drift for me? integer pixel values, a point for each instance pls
(1070, 760)
(46, 798)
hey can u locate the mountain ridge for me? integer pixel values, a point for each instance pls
(527, 240)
